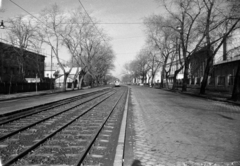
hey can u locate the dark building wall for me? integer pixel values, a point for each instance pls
(224, 73)
(198, 63)
(10, 70)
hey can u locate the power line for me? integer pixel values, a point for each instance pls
(91, 20)
(28, 12)
(127, 23)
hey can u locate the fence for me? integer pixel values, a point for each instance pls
(7, 88)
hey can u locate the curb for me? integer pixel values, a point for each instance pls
(119, 156)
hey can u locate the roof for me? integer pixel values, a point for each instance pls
(6, 43)
(228, 61)
(73, 71)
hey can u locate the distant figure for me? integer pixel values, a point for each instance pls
(136, 163)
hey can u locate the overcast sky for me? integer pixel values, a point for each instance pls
(118, 18)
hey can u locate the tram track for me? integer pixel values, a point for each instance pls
(15, 115)
(39, 115)
(9, 130)
(50, 135)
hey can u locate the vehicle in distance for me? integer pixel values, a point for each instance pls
(117, 84)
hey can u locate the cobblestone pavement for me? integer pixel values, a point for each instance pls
(171, 128)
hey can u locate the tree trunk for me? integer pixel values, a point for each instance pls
(236, 86)
(162, 75)
(185, 77)
(80, 82)
(175, 78)
(65, 82)
(206, 74)
(152, 79)
(142, 79)
(167, 86)
(73, 83)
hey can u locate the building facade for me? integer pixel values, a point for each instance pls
(224, 67)
(18, 66)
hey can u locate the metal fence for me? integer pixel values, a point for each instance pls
(9, 88)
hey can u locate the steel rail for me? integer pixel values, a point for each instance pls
(14, 159)
(81, 158)
(45, 104)
(50, 106)
(42, 120)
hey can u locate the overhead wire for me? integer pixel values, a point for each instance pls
(36, 19)
(94, 23)
(28, 12)
(91, 20)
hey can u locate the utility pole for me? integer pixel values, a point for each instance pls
(51, 72)
(36, 82)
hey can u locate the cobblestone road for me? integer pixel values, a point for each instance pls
(170, 128)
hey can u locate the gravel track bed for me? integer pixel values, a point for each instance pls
(66, 146)
(16, 125)
(19, 142)
(103, 151)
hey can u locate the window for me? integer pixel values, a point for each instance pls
(221, 80)
(230, 80)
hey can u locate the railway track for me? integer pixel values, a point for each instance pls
(11, 126)
(11, 116)
(64, 135)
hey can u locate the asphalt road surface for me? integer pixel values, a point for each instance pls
(168, 128)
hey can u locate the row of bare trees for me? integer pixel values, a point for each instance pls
(190, 25)
(75, 31)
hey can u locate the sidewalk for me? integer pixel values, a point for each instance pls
(218, 96)
(171, 129)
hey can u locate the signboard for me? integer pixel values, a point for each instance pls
(32, 80)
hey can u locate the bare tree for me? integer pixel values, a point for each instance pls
(140, 65)
(162, 38)
(129, 71)
(185, 14)
(153, 62)
(91, 44)
(217, 23)
(51, 28)
(103, 63)
(21, 34)
(78, 26)
(236, 87)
